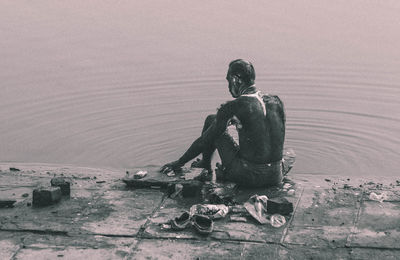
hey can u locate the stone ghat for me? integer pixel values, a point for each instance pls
(103, 218)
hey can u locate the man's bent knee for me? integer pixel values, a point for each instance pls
(209, 120)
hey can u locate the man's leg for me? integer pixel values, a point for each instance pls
(208, 152)
(289, 157)
(226, 145)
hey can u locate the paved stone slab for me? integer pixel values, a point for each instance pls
(63, 216)
(378, 225)
(68, 253)
(9, 245)
(129, 210)
(21, 179)
(327, 207)
(186, 249)
(80, 247)
(19, 187)
(250, 231)
(325, 236)
(301, 252)
(366, 253)
(101, 204)
(7, 249)
(16, 193)
(59, 217)
(392, 195)
(260, 251)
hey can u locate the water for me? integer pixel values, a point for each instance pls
(125, 84)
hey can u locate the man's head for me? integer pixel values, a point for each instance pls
(241, 75)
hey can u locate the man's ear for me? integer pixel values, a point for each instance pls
(236, 80)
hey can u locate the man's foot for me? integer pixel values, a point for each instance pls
(289, 157)
(174, 166)
(201, 164)
(205, 175)
(220, 172)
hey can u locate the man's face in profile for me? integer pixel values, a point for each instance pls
(231, 84)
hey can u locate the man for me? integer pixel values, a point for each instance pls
(260, 122)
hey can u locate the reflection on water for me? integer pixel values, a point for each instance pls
(129, 84)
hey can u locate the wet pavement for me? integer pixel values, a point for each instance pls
(333, 217)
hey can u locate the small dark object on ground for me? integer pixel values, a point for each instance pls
(187, 189)
(64, 184)
(238, 209)
(25, 195)
(191, 189)
(234, 218)
(175, 190)
(328, 180)
(100, 181)
(220, 193)
(7, 203)
(346, 186)
(136, 175)
(279, 205)
(44, 196)
(13, 169)
(204, 176)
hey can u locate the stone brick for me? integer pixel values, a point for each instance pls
(280, 206)
(64, 184)
(191, 189)
(44, 196)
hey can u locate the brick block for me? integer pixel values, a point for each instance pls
(64, 184)
(279, 205)
(44, 196)
(191, 189)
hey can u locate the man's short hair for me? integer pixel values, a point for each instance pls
(244, 70)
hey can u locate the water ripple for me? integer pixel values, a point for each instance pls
(338, 118)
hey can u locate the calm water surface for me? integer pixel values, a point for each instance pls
(128, 83)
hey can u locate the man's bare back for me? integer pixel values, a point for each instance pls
(261, 137)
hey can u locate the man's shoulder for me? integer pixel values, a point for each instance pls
(272, 99)
(230, 104)
(275, 104)
(228, 107)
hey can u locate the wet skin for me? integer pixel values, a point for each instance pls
(261, 137)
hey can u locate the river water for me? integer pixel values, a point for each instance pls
(129, 83)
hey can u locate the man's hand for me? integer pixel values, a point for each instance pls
(175, 166)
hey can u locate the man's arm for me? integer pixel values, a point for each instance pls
(217, 128)
(225, 112)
